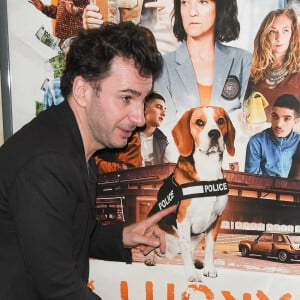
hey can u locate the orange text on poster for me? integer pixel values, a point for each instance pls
(201, 289)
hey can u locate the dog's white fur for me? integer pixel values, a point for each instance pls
(202, 134)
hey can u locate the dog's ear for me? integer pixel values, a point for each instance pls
(230, 136)
(182, 134)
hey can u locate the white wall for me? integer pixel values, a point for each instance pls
(27, 56)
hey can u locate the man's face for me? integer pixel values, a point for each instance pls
(282, 121)
(117, 108)
(155, 112)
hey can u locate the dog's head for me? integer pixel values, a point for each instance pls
(207, 129)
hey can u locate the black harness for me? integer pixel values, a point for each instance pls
(171, 193)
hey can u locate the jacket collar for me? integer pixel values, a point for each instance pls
(185, 68)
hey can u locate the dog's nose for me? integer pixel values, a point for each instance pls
(214, 134)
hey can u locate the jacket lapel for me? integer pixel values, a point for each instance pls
(223, 62)
(186, 73)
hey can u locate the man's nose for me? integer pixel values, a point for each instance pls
(137, 115)
(279, 123)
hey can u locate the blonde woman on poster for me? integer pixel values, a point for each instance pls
(276, 61)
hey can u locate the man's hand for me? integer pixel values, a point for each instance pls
(146, 233)
(92, 17)
(37, 3)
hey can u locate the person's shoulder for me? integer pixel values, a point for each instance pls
(234, 51)
(261, 135)
(294, 77)
(176, 55)
(159, 133)
(296, 135)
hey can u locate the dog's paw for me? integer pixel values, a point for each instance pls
(149, 262)
(198, 264)
(210, 272)
(193, 275)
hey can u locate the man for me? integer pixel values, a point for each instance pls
(48, 175)
(147, 145)
(153, 141)
(270, 152)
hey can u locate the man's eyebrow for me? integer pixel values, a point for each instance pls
(131, 91)
(285, 116)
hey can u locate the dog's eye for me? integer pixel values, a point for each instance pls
(221, 121)
(199, 122)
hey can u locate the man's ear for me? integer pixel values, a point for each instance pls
(80, 91)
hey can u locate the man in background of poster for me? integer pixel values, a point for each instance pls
(147, 145)
(48, 226)
(67, 15)
(270, 152)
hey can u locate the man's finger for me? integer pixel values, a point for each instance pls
(154, 4)
(154, 219)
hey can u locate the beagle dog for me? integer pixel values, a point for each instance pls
(198, 188)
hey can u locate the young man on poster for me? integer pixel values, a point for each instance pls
(48, 174)
(147, 145)
(270, 152)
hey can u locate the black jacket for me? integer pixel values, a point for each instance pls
(48, 227)
(160, 144)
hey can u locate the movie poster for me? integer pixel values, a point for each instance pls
(258, 233)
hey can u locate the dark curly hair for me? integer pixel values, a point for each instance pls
(227, 27)
(92, 52)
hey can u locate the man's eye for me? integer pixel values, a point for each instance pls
(126, 99)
